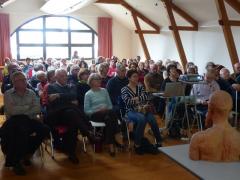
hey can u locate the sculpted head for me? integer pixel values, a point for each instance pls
(220, 103)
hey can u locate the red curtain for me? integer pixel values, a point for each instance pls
(105, 37)
(5, 50)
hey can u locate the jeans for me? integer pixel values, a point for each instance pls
(141, 120)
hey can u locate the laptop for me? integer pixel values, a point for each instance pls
(174, 89)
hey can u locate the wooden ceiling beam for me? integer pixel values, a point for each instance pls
(137, 13)
(185, 15)
(235, 4)
(184, 28)
(141, 36)
(222, 12)
(148, 31)
(230, 22)
(108, 1)
(176, 35)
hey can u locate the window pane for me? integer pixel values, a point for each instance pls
(85, 52)
(14, 46)
(32, 52)
(30, 37)
(56, 37)
(57, 52)
(81, 38)
(34, 24)
(95, 46)
(76, 25)
(57, 22)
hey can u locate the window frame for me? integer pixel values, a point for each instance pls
(45, 45)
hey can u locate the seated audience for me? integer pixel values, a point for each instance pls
(112, 68)
(73, 76)
(220, 142)
(173, 75)
(98, 106)
(103, 72)
(42, 77)
(63, 111)
(22, 133)
(82, 86)
(115, 85)
(28, 66)
(134, 95)
(33, 77)
(203, 91)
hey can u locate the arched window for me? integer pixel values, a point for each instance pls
(55, 37)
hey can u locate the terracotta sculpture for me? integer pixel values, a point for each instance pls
(220, 142)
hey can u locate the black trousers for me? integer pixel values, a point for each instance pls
(110, 119)
(73, 119)
(21, 136)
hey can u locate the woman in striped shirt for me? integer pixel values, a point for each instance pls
(133, 95)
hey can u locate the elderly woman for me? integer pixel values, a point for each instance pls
(73, 76)
(103, 72)
(134, 95)
(98, 106)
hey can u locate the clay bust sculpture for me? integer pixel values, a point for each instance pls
(220, 142)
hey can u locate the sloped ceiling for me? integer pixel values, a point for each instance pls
(204, 11)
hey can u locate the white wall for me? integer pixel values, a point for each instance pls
(24, 10)
(208, 44)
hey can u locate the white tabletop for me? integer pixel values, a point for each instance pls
(203, 169)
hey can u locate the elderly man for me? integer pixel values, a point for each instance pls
(22, 133)
(236, 73)
(203, 91)
(115, 84)
(221, 142)
(63, 111)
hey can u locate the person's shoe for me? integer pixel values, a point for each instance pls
(19, 170)
(139, 150)
(151, 150)
(73, 159)
(158, 145)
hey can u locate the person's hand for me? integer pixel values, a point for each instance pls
(75, 102)
(53, 97)
(102, 109)
(135, 99)
(205, 103)
(236, 87)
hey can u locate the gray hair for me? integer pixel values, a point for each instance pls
(102, 66)
(93, 76)
(16, 74)
(40, 73)
(58, 71)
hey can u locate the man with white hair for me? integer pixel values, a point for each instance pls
(115, 85)
(63, 111)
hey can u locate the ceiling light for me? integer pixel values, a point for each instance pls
(59, 7)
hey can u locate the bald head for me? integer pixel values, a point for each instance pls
(237, 67)
(220, 102)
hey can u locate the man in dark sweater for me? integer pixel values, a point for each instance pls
(115, 85)
(63, 111)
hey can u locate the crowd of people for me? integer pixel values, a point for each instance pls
(43, 96)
